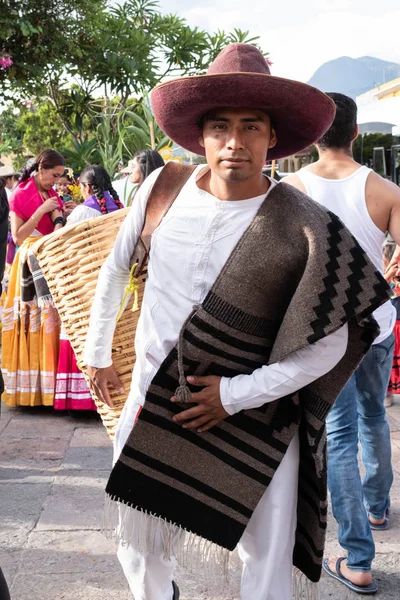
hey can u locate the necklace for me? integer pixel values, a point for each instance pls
(43, 197)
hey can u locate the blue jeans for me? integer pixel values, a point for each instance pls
(359, 415)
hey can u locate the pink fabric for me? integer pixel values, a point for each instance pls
(25, 200)
(72, 392)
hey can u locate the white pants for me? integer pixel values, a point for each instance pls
(265, 548)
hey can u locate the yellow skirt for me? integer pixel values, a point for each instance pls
(30, 344)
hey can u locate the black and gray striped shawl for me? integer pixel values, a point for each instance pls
(295, 276)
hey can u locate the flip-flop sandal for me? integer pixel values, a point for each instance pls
(372, 588)
(383, 526)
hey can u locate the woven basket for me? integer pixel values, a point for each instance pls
(70, 260)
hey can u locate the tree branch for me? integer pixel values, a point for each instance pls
(53, 99)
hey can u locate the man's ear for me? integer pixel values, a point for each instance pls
(355, 134)
(201, 141)
(273, 139)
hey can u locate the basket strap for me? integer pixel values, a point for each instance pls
(165, 190)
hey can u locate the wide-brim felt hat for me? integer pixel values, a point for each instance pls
(7, 172)
(240, 77)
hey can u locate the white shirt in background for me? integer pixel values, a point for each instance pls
(124, 188)
(346, 199)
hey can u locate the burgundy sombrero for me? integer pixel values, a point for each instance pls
(240, 77)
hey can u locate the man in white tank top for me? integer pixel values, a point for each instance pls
(369, 206)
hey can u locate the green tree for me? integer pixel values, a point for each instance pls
(43, 38)
(126, 48)
(140, 131)
(138, 46)
(12, 134)
(364, 145)
(64, 50)
(42, 129)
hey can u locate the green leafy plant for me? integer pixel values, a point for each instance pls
(143, 133)
(80, 154)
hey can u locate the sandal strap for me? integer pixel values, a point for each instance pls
(337, 566)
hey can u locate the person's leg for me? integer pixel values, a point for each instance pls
(372, 381)
(345, 486)
(149, 576)
(266, 547)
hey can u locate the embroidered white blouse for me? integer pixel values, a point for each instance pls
(81, 213)
(188, 251)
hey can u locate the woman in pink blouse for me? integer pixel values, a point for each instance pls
(30, 336)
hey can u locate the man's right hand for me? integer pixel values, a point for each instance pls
(100, 378)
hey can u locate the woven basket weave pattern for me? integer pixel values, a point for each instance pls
(70, 260)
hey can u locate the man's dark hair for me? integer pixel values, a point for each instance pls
(340, 134)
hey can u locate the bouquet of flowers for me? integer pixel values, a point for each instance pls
(75, 191)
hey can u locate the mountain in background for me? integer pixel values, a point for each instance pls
(354, 76)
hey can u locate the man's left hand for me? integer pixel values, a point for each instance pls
(209, 410)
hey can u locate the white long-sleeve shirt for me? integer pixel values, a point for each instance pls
(188, 251)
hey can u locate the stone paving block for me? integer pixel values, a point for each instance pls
(7, 410)
(43, 429)
(20, 506)
(85, 438)
(76, 502)
(96, 458)
(86, 420)
(29, 473)
(35, 413)
(4, 421)
(69, 552)
(91, 586)
(193, 588)
(9, 562)
(394, 420)
(396, 455)
(29, 452)
(70, 586)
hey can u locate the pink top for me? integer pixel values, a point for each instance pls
(25, 200)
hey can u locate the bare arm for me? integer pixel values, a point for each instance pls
(20, 229)
(295, 182)
(383, 200)
(393, 193)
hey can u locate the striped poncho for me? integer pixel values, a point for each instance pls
(296, 276)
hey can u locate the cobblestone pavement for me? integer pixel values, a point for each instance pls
(53, 470)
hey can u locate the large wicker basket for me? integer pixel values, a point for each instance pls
(70, 260)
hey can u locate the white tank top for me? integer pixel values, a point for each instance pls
(346, 199)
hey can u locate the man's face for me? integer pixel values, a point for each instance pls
(236, 142)
(9, 183)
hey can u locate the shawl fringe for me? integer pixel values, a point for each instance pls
(206, 559)
(46, 301)
(140, 529)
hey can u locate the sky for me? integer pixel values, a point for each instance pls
(302, 35)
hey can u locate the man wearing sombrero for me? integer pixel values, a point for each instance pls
(253, 292)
